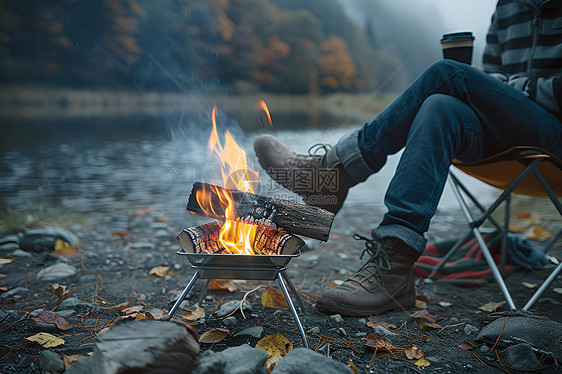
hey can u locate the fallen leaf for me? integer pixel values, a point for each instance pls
(60, 292)
(122, 233)
(69, 360)
(523, 215)
(119, 306)
(140, 317)
(530, 285)
(537, 233)
(276, 346)
(558, 290)
(466, 346)
(352, 367)
(6, 260)
(63, 248)
(222, 284)
(149, 316)
(143, 211)
(515, 228)
(48, 316)
(422, 362)
(193, 314)
(56, 271)
(159, 271)
(162, 219)
(492, 307)
(373, 323)
(273, 299)
(46, 340)
(4, 288)
(213, 336)
(336, 283)
(421, 304)
(422, 317)
(413, 352)
(373, 341)
(132, 309)
(445, 304)
(433, 325)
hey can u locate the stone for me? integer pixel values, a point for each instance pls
(235, 360)
(13, 292)
(143, 245)
(381, 332)
(313, 330)
(336, 318)
(520, 357)
(65, 313)
(229, 307)
(7, 247)
(55, 272)
(81, 367)
(50, 362)
(252, 332)
(42, 239)
(72, 302)
(21, 253)
(469, 329)
(484, 349)
(229, 321)
(302, 360)
(9, 239)
(45, 327)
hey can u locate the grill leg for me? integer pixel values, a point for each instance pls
(281, 278)
(293, 290)
(183, 294)
(203, 292)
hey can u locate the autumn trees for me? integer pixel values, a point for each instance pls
(284, 46)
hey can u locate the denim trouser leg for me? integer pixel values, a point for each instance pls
(450, 111)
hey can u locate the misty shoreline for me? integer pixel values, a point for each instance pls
(36, 103)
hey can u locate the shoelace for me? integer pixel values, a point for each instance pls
(379, 258)
(313, 154)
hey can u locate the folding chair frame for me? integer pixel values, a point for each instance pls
(461, 191)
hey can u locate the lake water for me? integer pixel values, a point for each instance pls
(117, 165)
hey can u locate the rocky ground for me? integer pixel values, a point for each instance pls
(126, 267)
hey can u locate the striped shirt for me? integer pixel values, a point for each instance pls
(524, 48)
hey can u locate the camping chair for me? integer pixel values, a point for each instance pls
(521, 169)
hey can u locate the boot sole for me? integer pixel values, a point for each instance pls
(349, 311)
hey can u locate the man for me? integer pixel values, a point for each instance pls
(451, 111)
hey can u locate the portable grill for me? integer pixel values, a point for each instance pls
(248, 267)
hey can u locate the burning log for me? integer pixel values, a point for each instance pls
(268, 241)
(293, 217)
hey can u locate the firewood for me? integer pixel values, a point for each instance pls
(295, 218)
(268, 241)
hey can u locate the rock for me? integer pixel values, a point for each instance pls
(20, 253)
(336, 318)
(36, 312)
(469, 329)
(81, 367)
(72, 302)
(252, 332)
(229, 321)
(313, 330)
(277, 312)
(9, 239)
(484, 349)
(45, 327)
(50, 362)
(143, 245)
(520, 357)
(7, 247)
(362, 321)
(381, 332)
(229, 307)
(57, 271)
(549, 300)
(66, 313)
(302, 360)
(43, 239)
(236, 360)
(177, 267)
(13, 292)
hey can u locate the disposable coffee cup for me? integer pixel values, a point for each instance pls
(458, 46)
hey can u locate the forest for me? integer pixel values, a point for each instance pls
(241, 46)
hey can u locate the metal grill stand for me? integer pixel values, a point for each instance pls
(246, 267)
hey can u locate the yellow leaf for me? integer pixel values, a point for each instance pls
(222, 284)
(273, 299)
(46, 340)
(413, 352)
(537, 233)
(69, 360)
(422, 362)
(515, 228)
(492, 307)
(352, 367)
(6, 260)
(421, 304)
(530, 285)
(213, 336)
(159, 271)
(61, 245)
(193, 314)
(276, 346)
(336, 283)
(140, 317)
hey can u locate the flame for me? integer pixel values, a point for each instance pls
(263, 106)
(236, 237)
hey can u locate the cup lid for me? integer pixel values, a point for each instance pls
(457, 36)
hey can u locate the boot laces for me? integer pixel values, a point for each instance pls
(379, 259)
(316, 154)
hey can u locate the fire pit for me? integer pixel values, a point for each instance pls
(254, 238)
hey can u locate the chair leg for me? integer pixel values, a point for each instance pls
(543, 287)
(505, 231)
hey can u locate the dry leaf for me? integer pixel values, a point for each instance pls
(47, 316)
(352, 367)
(421, 304)
(222, 284)
(530, 285)
(213, 336)
(413, 352)
(273, 299)
(6, 260)
(139, 317)
(193, 314)
(523, 215)
(120, 306)
(122, 233)
(466, 346)
(69, 360)
(143, 211)
(422, 362)
(558, 290)
(276, 346)
(537, 233)
(492, 307)
(445, 304)
(60, 292)
(149, 316)
(373, 323)
(159, 271)
(422, 317)
(373, 341)
(430, 326)
(515, 228)
(46, 340)
(132, 309)
(336, 283)
(62, 248)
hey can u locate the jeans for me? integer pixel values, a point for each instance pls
(451, 111)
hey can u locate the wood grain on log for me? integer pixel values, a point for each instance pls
(293, 217)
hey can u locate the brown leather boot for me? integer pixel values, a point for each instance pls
(384, 283)
(319, 178)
